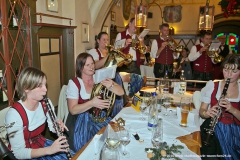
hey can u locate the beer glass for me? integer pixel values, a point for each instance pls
(185, 107)
(171, 86)
(162, 84)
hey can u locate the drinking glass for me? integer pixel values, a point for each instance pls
(185, 107)
(143, 107)
(166, 103)
(125, 140)
(113, 140)
(147, 100)
(162, 84)
(157, 133)
(160, 99)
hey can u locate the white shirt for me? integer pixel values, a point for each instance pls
(154, 48)
(94, 53)
(131, 50)
(35, 118)
(72, 90)
(194, 54)
(206, 92)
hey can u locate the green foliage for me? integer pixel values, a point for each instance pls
(169, 151)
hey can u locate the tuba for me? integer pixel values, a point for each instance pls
(115, 57)
(173, 45)
(213, 53)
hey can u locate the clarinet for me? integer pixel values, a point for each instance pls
(214, 120)
(55, 124)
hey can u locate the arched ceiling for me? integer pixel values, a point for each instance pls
(99, 10)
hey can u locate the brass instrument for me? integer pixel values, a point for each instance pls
(214, 121)
(213, 53)
(173, 45)
(115, 57)
(137, 45)
(56, 126)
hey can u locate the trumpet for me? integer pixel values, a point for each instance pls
(213, 53)
(173, 45)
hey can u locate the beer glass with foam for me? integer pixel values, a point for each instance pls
(185, 107)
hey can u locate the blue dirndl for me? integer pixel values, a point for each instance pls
(57, 156)
(86, 128)
(229, 139)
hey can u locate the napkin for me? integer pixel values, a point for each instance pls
(193, 117)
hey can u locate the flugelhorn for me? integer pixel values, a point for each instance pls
(137, 45)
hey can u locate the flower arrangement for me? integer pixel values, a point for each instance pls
(228, 6)
(164, 151)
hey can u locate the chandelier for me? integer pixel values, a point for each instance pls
(206, 17)
(141, 15)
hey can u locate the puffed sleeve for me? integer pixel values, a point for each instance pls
(94, 53)
(206, 92)
(72, 90)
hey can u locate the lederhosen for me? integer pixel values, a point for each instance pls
(33, 139)
(163, 62)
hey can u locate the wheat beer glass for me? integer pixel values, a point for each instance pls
(185, 107)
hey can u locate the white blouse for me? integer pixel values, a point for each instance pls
(94, 53)
(206, 92)
(72, 90)
(35, 119)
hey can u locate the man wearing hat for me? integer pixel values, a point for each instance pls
(224, 50)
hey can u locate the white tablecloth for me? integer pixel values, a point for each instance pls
(171, 130)
(147, 71)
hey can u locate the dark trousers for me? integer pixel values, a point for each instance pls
(160, 69)
(202, 76)
(130, 68)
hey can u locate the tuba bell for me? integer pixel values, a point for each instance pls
(173, 45)
(213, 53)
(115, 57)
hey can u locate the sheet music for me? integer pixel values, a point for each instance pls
(143, 33)
(103, 73)
(119, 44)
(214, 45)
